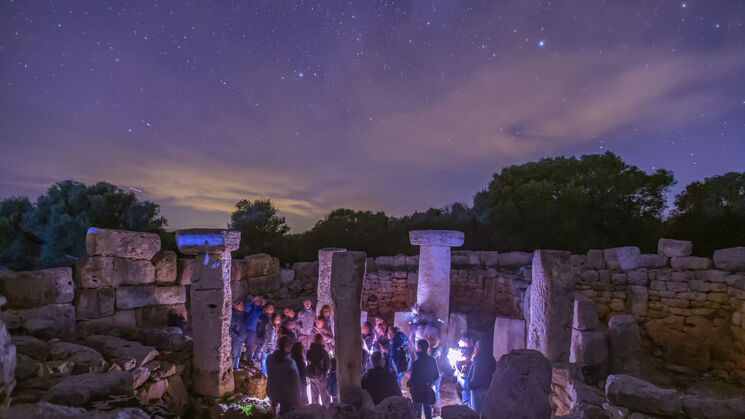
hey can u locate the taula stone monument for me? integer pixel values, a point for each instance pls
(347, 275)
(211, 302)
(324, 276)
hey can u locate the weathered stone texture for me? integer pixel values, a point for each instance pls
(624, 258)
(37, 288)
(509, 334)
(148, 295)
(166, 267)
(108, 271)
(520, 387)
(732, 259)
(324, 276)
(121, 243)
(624, 344)
(95, 303)
(674, 248)
(639, 395)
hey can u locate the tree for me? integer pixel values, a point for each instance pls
(262, 230)
(596, 201)
(711, 213)
(18, 248)
(53, 231)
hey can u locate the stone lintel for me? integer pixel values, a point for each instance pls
(448, 238)
(207, 240)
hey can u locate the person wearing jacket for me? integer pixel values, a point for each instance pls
(296, 353)
(436, 352)
(271, 334)
(317, 371)
(236, 332)
(424, 372)
(379, 381)
(264, 319)
(398, 348)
(252, 311)
(479, 375)
(305, 322)
(283, 379)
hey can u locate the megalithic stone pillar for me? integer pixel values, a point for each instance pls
(551, 305)
(433, 285)
(323, 292)
(211, 303)
(347, 274)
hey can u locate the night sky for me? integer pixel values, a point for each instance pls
(382, 105)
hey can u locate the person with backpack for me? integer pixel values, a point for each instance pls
(479, 375)
(399, 347)
(283, 379)
(379, 381)
(317, 371)
(424, 373)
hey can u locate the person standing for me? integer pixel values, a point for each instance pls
(305, 322)
(296, 353)
(283, 379)
(270, 339)
(379, 381)
(252, 310)
(264, 319)
(435, 351)
(321, 328)
(236, 332)
(399, 350)
(317, 371)
(479, 375)
(328, 314)
(423, 375)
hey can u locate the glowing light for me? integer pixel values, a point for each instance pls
(455, 355)
(541, 43)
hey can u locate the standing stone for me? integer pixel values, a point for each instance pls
(509, 334)
(551, 305)
(211, 304)
(37, 288)
(347, 275)
(433, 282)
(520, 387)
(121, 243)
(457, 328)
(625, 344)
(324, 277)
(585, 313)
(637, 297)
(588, 347)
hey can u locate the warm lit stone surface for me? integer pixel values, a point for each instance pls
(121, 243)
(31, 289)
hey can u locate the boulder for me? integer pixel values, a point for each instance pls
(26, 367)
(674, 248)
(732, 259)
(520, 387)
(163, 338)
(121, 243)
(52, 320)
(176, 397)
(166, 267)
(109, 271)
(704, 407)
(84, 359)
(394, 407)
(624, 258)
(32, 347)
(77, 390)
(624, 344)
(116, 349)
(151, 391)
(458, 411)
(639, 395)
(251, 383)
(31, 289)
(147, 295)
(95, 303)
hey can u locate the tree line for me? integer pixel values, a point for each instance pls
(592, 202)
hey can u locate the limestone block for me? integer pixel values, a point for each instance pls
(446, 238)
(347, 275)
(690, 263)
(83, 358)
(77, 390)
(184, 271)
(51, 320)
(323, 292)
(121, 320)
(412, 262)
(121, 243)
(637, 277)
(625, 258)
(108, 271)
(399, 262)
(206, 240)
(595, 259)
(148, 295)
(653, 261)
(286, 277)
(95, 303)
(736, 281)
(509, 334)
(711, 275)
(520, 387)
(489, 258)
(551, 305)
(635, 393)
(585, 314)
(515, 259)
(31, 289)
(260, 264)
(588, 347)
(624, 344)
(166, 267)
(732, 259)
(637, 297)
(674, 248)
(578, 261)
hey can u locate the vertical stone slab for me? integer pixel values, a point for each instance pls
(323, 292)
(624, 344)
(433, 282)
(509, 334)
(211, 302)
(551, 305)
(347, 275)
(457, 329)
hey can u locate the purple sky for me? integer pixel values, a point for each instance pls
(394, 106)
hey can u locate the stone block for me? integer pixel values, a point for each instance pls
(520, 387)
(711, 275)
(736, 281)
(412, 262)
(578, 261)
(509, 334)
(447, 238)
(204, 240)
(653, 261)
(624, 258)
(184, 271)
(588, 347)
(732, 259)
(108, 271)
(637, 277)
(516, 259)
(31, 289)
(259, 265)
(122, 320)
(624, 344)
(51, 320)
(160, 316)
(595, 259)
(635, 393)
(95, 303)
(148, 295)
(166, 267)
(692, 263)
(585, 314)
(674, 248)
(489, 258)
(121, 243)
(637, 298)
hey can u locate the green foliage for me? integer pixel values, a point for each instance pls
(17, 246)
(711, 213)
(596, 201)
(262, 231)
(54, 228)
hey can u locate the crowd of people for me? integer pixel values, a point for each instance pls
(296, 352)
